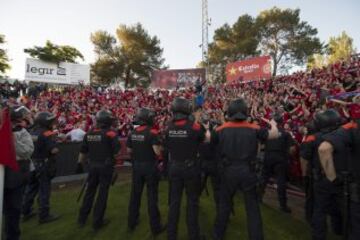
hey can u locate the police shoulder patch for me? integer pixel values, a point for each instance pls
(350, 125)
(140, 128)
(48, 133)
(111, 134)
(180, 122)
(196, 127)
(154, 131)
(310, 138)
(243, 124)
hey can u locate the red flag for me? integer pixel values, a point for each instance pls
(7, 148)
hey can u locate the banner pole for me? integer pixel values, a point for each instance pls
(2, 178)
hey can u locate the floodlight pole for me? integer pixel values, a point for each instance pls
(205, 32)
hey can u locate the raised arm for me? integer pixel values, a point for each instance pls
(340, 102)
(326, 159)
(274, 131)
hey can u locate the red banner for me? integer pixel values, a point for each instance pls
(8, 155)
(252, 69)
(171, 79)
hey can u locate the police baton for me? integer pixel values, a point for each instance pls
(84, 186)
(346, 192)
(309, 197)
(114, 178)
(204, 184)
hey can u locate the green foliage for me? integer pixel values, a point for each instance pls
(274, 32)
(4, 59)
(286, 38)
(338, 49)
(130, 57)
(55, 53)
(317, 61)
(232, 43)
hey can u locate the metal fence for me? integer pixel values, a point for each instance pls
(67, 158)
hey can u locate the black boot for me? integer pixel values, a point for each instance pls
(131, 227)
(285, 209)
(48, 219)
(104, 223)
(160, 230)
(27, 217)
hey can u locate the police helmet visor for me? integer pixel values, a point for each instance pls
(237, 110)
(181, 105)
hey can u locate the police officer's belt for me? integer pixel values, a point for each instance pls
(317, 175)
(355, 192)
(275, 151)
(183, 163)
(235, 162)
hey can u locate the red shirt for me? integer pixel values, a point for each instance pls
(354, 110)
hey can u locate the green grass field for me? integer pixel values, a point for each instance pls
(277, 225)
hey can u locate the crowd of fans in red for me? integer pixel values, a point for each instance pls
(297, 97)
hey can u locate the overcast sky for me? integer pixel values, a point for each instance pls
(177, 23)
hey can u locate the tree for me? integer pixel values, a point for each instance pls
(109, 64)
(130, 57)
(4, 59)
(338, 48)
(317, 61)
(55, 53)
(232, 43)
(286, 39)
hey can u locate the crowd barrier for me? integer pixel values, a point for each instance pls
(67, 158)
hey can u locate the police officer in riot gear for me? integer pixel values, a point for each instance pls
(209, 163)
(145, 149)
(44, 161)
(276, 161)
(307, 170)
(15, 181)
(182, 139)
(237, 145)
(343, 168)
(100, 146)
(326, 194)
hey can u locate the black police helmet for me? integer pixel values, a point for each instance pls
(311, 128)
(181, 108)
(16, 114)
(327, 121)
(278, 118)
(144, 116)
(237, 110)
(104, 119)
(44, 119)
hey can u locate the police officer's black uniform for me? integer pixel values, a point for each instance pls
(209, 168)
(45, 168)
(237, 145)
(349, 135)
(144, 163)
(326, 194)
(101, 145)
(307, 169)
(15, 181)
(182, 139)
(276, 162)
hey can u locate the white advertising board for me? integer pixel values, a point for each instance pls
(62, 73)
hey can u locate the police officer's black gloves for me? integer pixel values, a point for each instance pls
(79, 168)
(306, 183)
(306, 180)
(337, 182)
